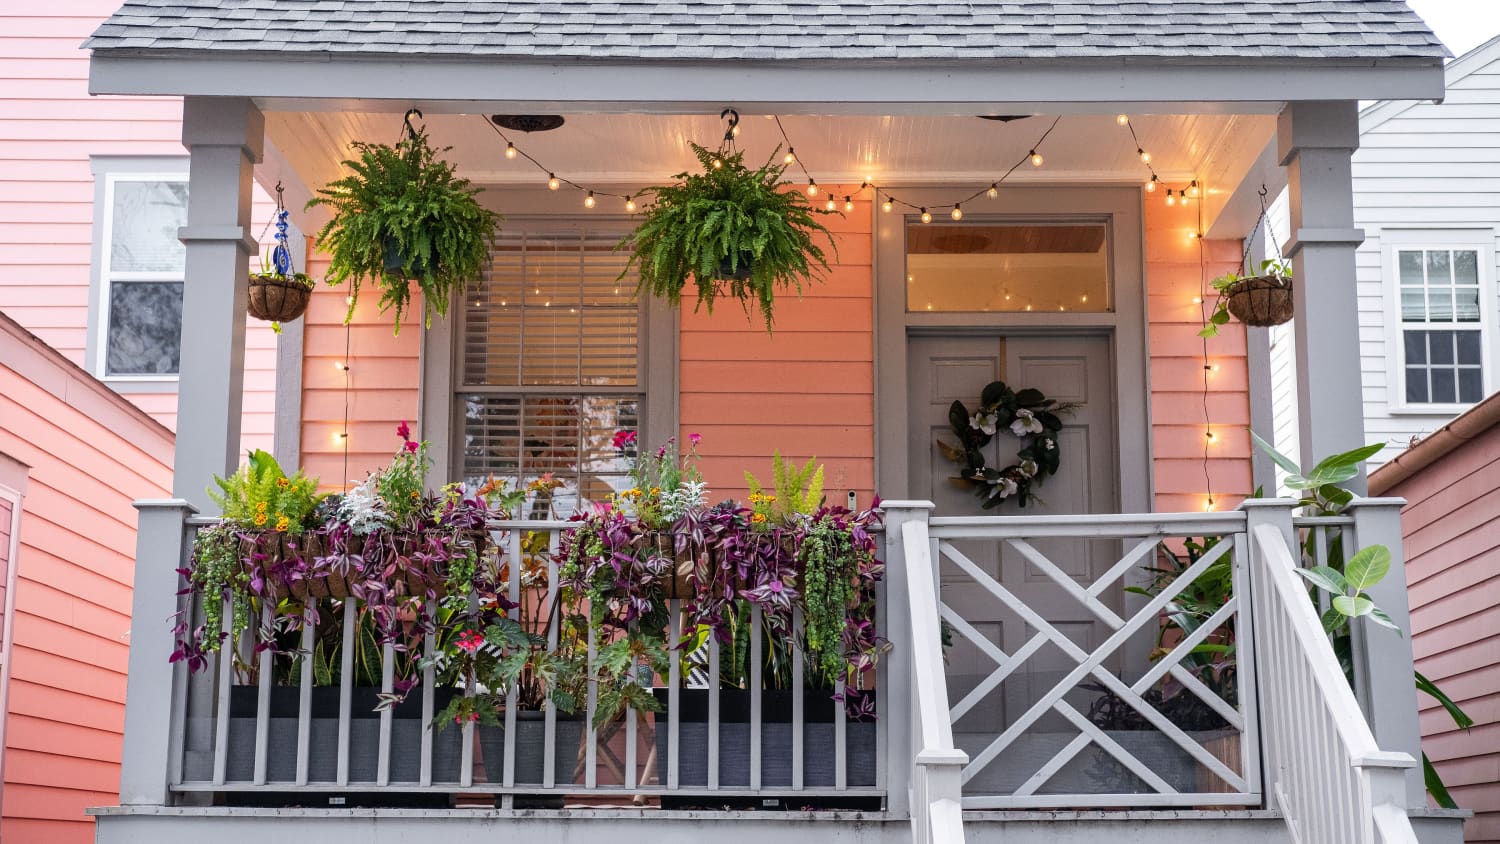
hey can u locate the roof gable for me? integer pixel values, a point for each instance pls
(1223, 30)
(1486, 54)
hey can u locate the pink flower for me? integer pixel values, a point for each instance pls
(470, 641)
(695, 439)
(411, 447)
(623, 438)
(404, 431)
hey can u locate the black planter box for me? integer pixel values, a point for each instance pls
(323, 735)
(819, 741)
(531, 737)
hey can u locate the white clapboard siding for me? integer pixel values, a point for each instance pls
(1420, 166)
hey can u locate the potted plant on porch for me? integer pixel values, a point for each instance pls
(736, 232)
(401, 216)
(1261, 300)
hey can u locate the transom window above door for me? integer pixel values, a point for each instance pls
(1008, 267)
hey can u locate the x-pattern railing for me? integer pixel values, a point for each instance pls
(1244, 788)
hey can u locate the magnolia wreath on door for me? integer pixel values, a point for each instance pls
(1027, 414)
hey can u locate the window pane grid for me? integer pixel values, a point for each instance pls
(550, 364)
(1440, 288)
(143, 276)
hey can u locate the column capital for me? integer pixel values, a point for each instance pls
(1316, 125)
(224, 122)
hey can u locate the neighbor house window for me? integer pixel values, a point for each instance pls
(549, 363)
(139, 310)
(1442, 305)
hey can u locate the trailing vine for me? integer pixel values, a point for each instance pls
(829, 574)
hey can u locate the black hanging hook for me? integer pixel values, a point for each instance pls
(411, 131)
(734, 120)
(280, 199)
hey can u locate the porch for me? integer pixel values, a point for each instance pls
(1085, 743)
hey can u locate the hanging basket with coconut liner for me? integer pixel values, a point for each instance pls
(277, 299)
(1260, 300)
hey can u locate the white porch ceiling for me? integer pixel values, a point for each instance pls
(615, 151)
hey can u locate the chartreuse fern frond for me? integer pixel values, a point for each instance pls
(798, 490)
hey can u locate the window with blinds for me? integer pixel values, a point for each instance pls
(550, 362)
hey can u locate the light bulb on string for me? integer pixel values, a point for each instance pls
(957, 213)
(830, 204)
(812, 187)
(1210, 436)
(1171, 200)
(552, 181)
(588, 201)
(1192, 188)
(1151, 185)
(926, 217)
(848, 204)
(630, 205)
(718, 165)
(1145, 156)
(1122, 119)
(791, 155)
(886, 206)
(994, 190)
(510, 150)
(1208, 505)
(1036, 159)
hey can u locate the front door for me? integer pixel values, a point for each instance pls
(1076, 369)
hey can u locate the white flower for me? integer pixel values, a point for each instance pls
(1049, 444)
(1029, 468)
(1003, 488)
(1025, 423)
(985, 422)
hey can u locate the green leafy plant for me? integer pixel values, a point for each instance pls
(736, 232)
(401, 215)
(1346, 581)
(261, 496)
(1219, 317)
(795, 491)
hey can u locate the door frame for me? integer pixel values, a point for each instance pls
(1120, 209)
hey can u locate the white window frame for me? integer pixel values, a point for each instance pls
(105, 277)
(1481, 241)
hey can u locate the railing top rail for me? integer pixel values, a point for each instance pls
(1323, 521)
(1098, 524)
(1279, 568)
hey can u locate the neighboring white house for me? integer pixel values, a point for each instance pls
(1427, 195)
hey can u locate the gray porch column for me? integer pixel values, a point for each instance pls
(1384, 681)
(1315, 141)
(224, 136)
(151, 684)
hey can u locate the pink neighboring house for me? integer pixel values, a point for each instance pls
(1451, 527)
(73, 456)
(91, 192)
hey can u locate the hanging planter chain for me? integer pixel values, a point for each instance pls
(279, 294)
(1264, 299)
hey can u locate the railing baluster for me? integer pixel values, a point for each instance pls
(304, 697)
(713, 714)
(798, 693)
(549, 746)
(756, 659)
(226, 681)
(591, 748)
(387, 685)
(346, 686)
(674, 695)
(840, 737)
(508, 778)
(429, 697)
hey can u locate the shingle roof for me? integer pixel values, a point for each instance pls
(761, 29)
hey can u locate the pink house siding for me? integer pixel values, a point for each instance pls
(1451, 525)
(49, 127)
(90, 453)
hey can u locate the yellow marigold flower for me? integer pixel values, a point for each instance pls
(260, 518)
(283, 523)
(283, 483)
(769, 498)
(414, 495)
(656, 490)
(260, 507)
(758, 518)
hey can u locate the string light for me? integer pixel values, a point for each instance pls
(552, 182)
(1036, 158)
(1192, 189)
(958, 213)
(812, 187)
(926, 217)
(830, 204)
(588, 201)
(1171, 200)
(1209, 506)
(848, 204)
(886, 206)
(1151, 185)
(1121, 119)
(994, 191)
(510, 150)
(630, 205)
(718, 165)
(341, 366)
(1210, 436)
(791, 156)
(1145, 156)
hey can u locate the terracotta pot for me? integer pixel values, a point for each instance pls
(277, 299)
(1261, 300)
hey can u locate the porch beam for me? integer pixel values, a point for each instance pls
(224, 137)
(313, 82)
(1315, 142)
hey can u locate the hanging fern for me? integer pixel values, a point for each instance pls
(737, 232)
(405, 200)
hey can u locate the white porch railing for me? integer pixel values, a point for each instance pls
(1332, 782)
